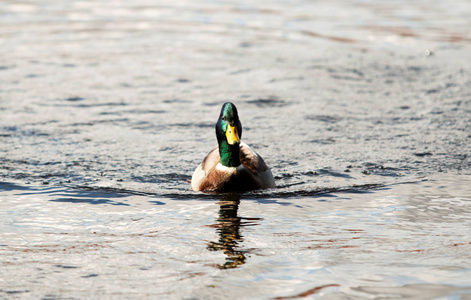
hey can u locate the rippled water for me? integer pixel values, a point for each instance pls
(408, 240)
(362, 110)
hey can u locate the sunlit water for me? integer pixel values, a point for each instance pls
(362, 110)
(404, 240)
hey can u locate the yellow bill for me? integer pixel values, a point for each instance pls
(232, 135)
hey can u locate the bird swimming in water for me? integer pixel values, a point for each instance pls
(232, 165)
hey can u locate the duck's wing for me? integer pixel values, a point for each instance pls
(209, 162)
(255, 164)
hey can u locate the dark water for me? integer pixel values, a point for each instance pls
(361, 109)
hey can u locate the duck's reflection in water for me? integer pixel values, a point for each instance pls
(228, 227)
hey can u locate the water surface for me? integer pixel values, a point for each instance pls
(408, 240)
(362, 109)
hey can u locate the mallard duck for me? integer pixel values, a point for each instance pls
(232, 165)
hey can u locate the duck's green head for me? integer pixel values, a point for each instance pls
(228, 133)
(228, 127)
